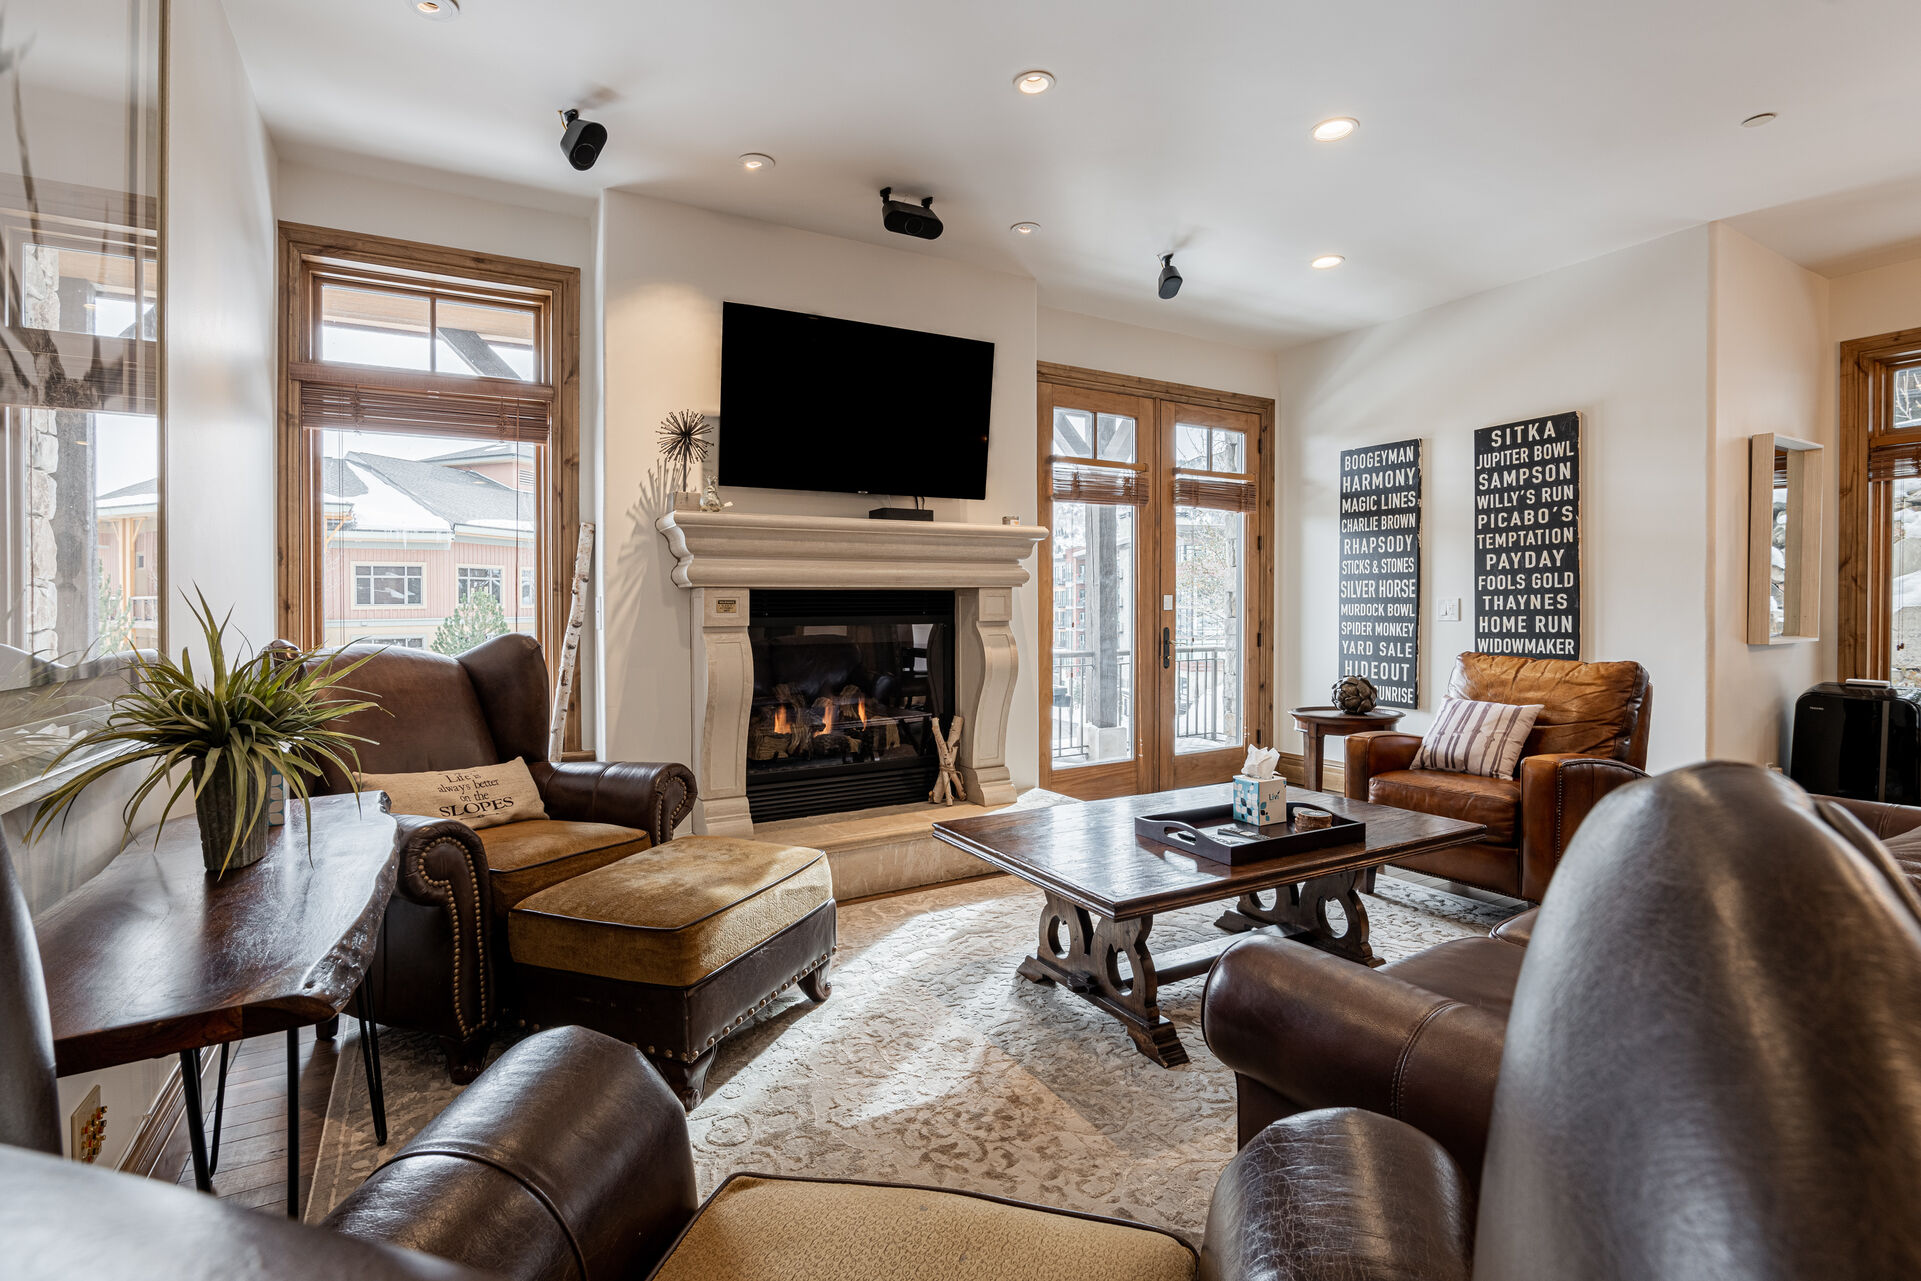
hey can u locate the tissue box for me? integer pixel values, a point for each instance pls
(1260, 801)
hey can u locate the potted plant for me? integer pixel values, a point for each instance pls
(272, 712)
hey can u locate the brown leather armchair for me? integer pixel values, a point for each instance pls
(443, 945)
(1591, 737)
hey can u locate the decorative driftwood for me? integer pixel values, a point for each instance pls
(570, 643)
(948, 787)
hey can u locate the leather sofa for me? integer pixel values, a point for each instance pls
(1743, 1100)
(1591, 737)
(442, 958)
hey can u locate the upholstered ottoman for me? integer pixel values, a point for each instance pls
(674, 947)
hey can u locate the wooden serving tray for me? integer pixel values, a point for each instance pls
(1211, 833)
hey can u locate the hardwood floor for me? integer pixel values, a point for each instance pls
(252, 1167)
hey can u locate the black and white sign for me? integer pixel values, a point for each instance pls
(1381, 569)
(1527, 538)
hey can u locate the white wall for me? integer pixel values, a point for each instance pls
(1622, 339)
(1875, 302)
(350, 194)
(219, 314)
(1773, 371)
(665, 270)
(1069, 338)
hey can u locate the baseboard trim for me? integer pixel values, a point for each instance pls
(1294, 770)
(150, 1141)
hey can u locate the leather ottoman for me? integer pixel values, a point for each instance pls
(673, 947)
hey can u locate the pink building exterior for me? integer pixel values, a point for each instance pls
(407, 539)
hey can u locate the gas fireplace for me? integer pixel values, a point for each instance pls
(850, 688)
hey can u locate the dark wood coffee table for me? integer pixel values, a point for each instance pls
(1104, 884)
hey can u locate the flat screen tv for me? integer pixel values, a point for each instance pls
(811, 402)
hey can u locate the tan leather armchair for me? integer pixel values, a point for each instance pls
(1591, 737)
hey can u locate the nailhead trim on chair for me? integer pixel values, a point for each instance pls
(480, 935)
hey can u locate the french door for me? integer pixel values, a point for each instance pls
(1156, 590)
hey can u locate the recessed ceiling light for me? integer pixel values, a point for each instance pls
(1327, 260)
(1755, 122)
(1025, 228)
(438, 10)
(1336, 129)
(1032, 82)
(755, 161)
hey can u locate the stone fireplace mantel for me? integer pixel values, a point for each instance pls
(722, 557)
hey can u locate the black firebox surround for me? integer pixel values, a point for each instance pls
(799, 789)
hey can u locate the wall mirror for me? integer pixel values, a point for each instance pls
(1784, 540)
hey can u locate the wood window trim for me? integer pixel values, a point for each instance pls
(1863, 627)
(1150, 393)
(557, 288)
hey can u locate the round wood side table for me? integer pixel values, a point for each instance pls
(1318, 722)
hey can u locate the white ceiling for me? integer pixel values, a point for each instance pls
(1498, 138)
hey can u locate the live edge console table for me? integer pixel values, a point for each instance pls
(157, 956)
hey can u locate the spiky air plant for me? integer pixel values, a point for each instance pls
(271, 711)
(685, 440)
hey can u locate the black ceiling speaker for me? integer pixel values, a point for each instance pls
(1170, 283)
(582, 140)
(909, 220)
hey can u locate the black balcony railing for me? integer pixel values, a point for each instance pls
(1207, 697)
(1207, 694)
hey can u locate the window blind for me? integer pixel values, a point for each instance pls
(1214, 492)
(1895, 462)
(348, 407)
(1111, 486)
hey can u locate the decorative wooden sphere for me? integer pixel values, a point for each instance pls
(1354, 695)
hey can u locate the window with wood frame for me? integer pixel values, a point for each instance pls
(1879, 633)
(430, 443)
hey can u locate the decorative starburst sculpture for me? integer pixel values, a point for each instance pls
(685, 439)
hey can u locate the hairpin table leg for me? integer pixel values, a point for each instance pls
(219, 1111)
(293, 1123)
(370, 1060)
(196, 1123)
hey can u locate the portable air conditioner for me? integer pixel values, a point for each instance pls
(1859, 740)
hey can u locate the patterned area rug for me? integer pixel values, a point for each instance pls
(933, 1063)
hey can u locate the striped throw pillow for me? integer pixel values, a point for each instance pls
(1476, 738)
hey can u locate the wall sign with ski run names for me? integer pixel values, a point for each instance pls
(1381, 569)
(1527, 538)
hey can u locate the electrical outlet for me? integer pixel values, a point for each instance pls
(1451, 609)
(87, 1128)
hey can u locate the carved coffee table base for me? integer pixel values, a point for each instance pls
(1085, 952)
(1107, 963)
(1300, 912)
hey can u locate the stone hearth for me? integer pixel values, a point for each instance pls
(723, 557)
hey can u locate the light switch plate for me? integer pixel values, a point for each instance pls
(1451, 610)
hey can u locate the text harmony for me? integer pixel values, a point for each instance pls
(1380, 579)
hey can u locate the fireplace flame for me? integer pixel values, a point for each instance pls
(831, 716)
(861, 707)
(780, 719)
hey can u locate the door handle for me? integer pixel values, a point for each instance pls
(1167, 648)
